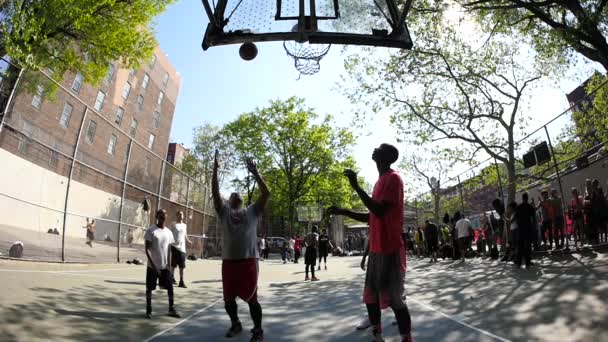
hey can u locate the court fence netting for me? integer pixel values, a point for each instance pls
(59, 171)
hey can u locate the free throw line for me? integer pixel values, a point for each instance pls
(181, 322)
(487, 333)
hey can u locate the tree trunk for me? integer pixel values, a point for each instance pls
(511, 181)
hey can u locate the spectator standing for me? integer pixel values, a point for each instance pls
(575, 212)
(558, 220)
(511, 218)
(598, 208)
(525, 220)
(463, 228)
(431, 232)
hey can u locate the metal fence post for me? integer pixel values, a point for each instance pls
(122, 199)
(500, 188)
(559, 179)
(10, 98)
(160, 184)
(67, 188)
(461, 196)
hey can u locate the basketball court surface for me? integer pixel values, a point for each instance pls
(563, 298)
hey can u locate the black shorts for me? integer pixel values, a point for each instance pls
(323, 253)
(152, 277)
(178, 258)
(463, 242)
(432, 245)
(310, 257)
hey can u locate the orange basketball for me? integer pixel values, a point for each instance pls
(248, 51)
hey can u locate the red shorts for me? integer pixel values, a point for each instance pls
(388, 298)
(240, 279)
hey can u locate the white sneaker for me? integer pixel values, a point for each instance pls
(364, 324)
(377, 337)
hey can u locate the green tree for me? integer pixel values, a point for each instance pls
(295, 149)
(555, 29)
(82, 35)
(452, 92)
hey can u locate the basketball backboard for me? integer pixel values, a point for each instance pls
(347, 22)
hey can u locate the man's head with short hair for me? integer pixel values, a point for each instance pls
(179, 216)
(386, 154)
(554, 193)
(235, 201)
(574, 191)
(588, 183)
(161, 216)
(315, 229)
(524, 197)
(595, 183)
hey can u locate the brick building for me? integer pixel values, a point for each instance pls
(176, 153)
(137, 103)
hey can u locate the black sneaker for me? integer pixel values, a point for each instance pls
(174, 281)
(182, 284)
(173, 313)
(234, 330)
(257, 335)
(148, 315)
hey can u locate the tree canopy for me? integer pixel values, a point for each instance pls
(78, 35)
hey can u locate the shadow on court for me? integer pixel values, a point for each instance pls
(562, 295)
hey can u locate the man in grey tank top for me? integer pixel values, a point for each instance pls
(239, 250)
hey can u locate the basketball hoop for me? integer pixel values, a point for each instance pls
(306, 56)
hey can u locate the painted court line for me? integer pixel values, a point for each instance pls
(160, 333)
(66, 271)
(487, 333)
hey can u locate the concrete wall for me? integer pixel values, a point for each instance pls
(27, 181)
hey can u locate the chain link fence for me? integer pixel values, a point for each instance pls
(557, 157)
(60, 170)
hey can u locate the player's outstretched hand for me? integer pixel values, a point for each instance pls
(251, 165)
(352, 178)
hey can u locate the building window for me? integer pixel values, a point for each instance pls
(110, 75)
(140, 103)
(37, 99)
(126, 90)
(54, 159)
(144, 82)
(24, 141)
(133, 128)
(156, 119)
(91, 131)
(112, 144)
(161, 98)
(165, 79)
(64, 120)
(151, 141)
(147, 166)
(77, 83)
(119, 114)
(153, 62)
(101, 96)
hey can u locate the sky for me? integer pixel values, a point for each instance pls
(217, 85)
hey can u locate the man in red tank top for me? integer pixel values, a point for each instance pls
(384, 278)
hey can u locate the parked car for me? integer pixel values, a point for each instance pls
(275, 244)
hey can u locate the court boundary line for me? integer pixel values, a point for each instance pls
(484, 332)
(186, 319)
(60, 271)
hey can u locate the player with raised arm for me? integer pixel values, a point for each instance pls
(239, 250)
(387, 258)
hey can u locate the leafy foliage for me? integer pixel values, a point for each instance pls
(78, 35)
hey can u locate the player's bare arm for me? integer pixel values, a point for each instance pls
(376, 207)
(260, 204)
(148, 245)
(361, 217)
(215, 185)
